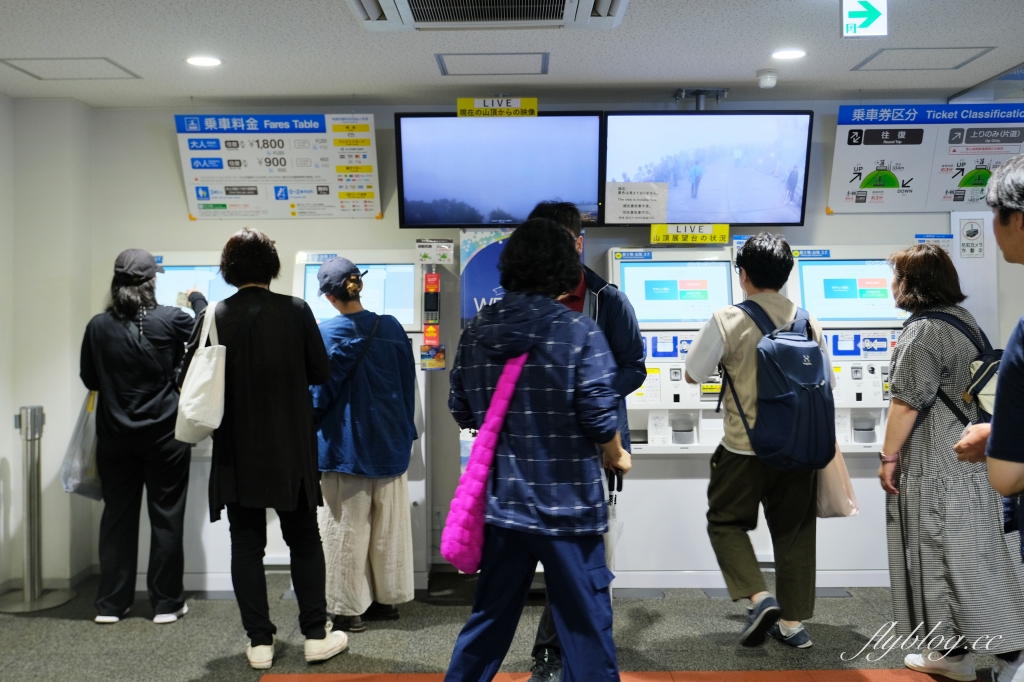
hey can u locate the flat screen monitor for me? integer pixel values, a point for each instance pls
(741, 168)
(848, 291)
(388, 289)
(676, 291)
(176, 280)
(459, 172)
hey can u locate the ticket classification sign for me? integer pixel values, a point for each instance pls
(279, 166)
(508, 107)
(920, 158)
(690, 233)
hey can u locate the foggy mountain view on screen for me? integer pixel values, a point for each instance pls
(463, 171)
(745, 164)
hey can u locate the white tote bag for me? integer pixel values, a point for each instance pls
(201, 403)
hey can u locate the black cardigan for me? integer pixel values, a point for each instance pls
(265, 451)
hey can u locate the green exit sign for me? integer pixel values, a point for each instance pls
(865, 18)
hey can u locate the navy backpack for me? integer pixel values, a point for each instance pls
(796, 426)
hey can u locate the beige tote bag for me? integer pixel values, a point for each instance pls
(835, 490)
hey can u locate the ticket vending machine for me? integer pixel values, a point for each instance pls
(848, 289)
(207, 545)
(673, 424)
(392, 285)
(673, 292)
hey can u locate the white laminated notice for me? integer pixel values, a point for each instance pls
(636, 202)
(659, 432)
(842, 426)
(845, 341)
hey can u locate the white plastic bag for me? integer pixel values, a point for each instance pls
(79, 474)
(201, 403)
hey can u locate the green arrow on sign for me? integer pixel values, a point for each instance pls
(869, 14)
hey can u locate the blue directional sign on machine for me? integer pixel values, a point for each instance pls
(856, 344)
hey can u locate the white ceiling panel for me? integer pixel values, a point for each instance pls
(277, 51)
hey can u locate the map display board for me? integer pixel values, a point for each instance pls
(920, 158)
(279, 166)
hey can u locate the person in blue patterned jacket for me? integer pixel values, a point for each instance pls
(545, 499)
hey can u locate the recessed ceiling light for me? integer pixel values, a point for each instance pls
(788, 54)
(203, 61)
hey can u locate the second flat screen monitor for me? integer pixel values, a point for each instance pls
(388, 289)
(848, 291)
(676, 291)
(736, 168)
(493, 171)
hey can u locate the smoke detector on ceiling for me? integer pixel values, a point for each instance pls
(461, 15)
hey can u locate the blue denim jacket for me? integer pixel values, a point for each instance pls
(366, 427)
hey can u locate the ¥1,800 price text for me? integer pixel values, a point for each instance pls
(266, 144)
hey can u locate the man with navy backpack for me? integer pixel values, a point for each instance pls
(742, 341)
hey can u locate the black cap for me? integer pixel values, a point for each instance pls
(334, 273)
(137, 265)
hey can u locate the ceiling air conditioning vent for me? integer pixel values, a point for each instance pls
(462, 15)
(458, 11)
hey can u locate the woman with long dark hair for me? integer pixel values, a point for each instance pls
(128, 355)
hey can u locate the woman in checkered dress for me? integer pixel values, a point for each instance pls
(952, 569)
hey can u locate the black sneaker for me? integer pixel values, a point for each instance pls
(546, 671)
(378, 611)
(348, 623)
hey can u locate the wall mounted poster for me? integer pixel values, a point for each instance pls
(279, 166)
(920, 158)
(480, 283)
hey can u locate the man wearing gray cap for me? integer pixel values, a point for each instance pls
(365, 432)
(129, 355)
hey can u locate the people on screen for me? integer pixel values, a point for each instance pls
(129, 355)
(365, 432)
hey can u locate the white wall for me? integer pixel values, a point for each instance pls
(90, 183)
(51, 305)
(10, 465)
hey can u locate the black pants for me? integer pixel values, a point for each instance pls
(547, 637)
(248, 542)
(162, 468)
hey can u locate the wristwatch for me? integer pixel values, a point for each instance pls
(888, 459)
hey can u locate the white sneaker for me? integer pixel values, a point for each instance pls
(1005, 671)
(260, 657)
(162, 618)
(108, 620)
(930, 662)
(333, 644)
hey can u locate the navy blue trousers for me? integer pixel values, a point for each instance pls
(577, 580)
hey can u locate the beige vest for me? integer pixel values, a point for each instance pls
(741, 337)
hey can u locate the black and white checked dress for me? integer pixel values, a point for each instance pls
(950, 564)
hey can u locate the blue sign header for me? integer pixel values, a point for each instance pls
(250, 123)
(887, 114)
(812, 253)
(633, 255)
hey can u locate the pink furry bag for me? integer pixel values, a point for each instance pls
(462, 541)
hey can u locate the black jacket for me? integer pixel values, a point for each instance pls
(265, 451)
(138, 401)
(614, 314)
